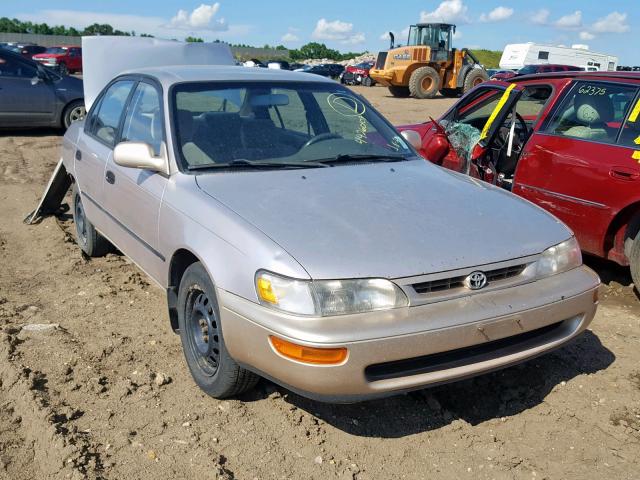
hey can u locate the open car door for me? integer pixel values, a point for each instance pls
(475, 130)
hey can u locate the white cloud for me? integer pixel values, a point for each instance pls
(154, 25)
(201, 18)
(498, 14)
(572, 20)
(337, 31)
(584, 35)
(615, 22)
(449, 11)
(580, 46)
(290, 37)
(541, 17)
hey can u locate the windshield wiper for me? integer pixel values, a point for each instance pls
(249, 164)
(351, 157)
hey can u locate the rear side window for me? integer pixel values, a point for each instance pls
(11, 68)
(105, 122)
(533, 100)
(143, 122)
(592, 111)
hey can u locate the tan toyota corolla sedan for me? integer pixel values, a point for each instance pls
(300, 237)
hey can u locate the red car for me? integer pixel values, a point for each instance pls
(358, 74)
(568, 142)
(531, 69)
(65, 59)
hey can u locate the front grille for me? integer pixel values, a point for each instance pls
(451, 283)
(382, 58)
(466, 355)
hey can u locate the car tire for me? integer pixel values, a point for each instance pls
(209, 362)
(367, 82)
(424, 83)
(400, 92)
(475, 77)
(87, 237)
(450, 92)
(62, 68)
(634, 261)
(74, 112)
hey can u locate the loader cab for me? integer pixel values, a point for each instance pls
(437, 36)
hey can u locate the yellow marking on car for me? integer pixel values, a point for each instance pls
(637, 140)
(496, 111)
(636, 155)
(635, 112)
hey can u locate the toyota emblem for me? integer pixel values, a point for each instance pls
(476, 281)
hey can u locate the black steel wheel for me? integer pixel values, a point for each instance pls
(89, 240)
(211, 366)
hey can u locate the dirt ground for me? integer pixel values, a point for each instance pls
(103, 392)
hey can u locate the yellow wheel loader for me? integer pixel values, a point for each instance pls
(428, 64)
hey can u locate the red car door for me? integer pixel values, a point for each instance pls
(580, 165)
(473, 121)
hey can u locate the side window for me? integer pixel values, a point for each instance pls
(542, 55)
(477, 109)
(106, 120)
(533, 100)
(631, 129)
(592, 111)
(144, 122)
(291, 116)
(10, 67)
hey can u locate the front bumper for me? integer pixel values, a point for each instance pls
(396, 350)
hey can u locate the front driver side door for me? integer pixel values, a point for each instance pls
(132, 195)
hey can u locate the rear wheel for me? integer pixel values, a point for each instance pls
(475, 77)
(400, 92)
(367, 82)
(74, 112)
(424, 83)
(211, 366)
(89, 240)
(64, 70)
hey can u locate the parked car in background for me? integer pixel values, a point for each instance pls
(303, 283)
(331, 70)
(571, 148)
(65, 59)
(279, 65)
(498, 74)
(31, 95)
(358, 74)
(27, 50)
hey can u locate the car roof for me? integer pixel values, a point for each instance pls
(612, 76)
(169, 75)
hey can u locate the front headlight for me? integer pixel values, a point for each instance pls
(559, 258)
(52, 61)
(328, 297)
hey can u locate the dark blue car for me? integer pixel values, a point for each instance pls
(34, 96)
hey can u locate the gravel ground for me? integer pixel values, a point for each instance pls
(102, 391)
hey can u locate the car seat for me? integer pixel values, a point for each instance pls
(193, 154)
(592, 112)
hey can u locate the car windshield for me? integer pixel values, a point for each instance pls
(527, 70)
(55, 50)
(282, 123)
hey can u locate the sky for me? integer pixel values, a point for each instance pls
(355, 25)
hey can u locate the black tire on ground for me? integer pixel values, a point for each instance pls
(73, 112)
(450, 92)
(211, 366)
(634, 261)
(89, 240)
(475, 77)
(424, 83)
(400, 92)
(62, 68)
(367, 82)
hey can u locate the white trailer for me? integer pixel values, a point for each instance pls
(517, 55)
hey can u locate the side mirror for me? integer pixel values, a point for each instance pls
(140, 155)
(413, 138)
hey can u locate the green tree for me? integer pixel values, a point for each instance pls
(191, 39)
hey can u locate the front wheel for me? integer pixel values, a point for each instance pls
(474, 78)
(367, 82)
(634, 261)
(209, 362)
(74, 112)
(63, 69)
(424, 83)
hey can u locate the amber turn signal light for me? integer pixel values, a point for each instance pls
(301, 353)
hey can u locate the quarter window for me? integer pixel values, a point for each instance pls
(106, 121)
(592, 111)
(143, 122)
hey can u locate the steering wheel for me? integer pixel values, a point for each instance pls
(321, 138)
(502, 138)
(500, 162)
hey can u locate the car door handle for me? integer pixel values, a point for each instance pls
(78, 155)
(110, 177)
(624, 173)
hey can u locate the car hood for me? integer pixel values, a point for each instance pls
(386, 219)
(48, 55)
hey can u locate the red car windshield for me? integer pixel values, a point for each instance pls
(56, 50)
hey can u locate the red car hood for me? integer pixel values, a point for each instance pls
(48, 55)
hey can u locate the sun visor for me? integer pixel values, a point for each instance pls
(105, 57)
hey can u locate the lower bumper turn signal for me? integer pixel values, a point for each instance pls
(312, 355)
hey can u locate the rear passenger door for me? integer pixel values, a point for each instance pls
(579, 166)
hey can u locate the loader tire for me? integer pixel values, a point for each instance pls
(424, 83)
(475, 77)
(400, 92)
